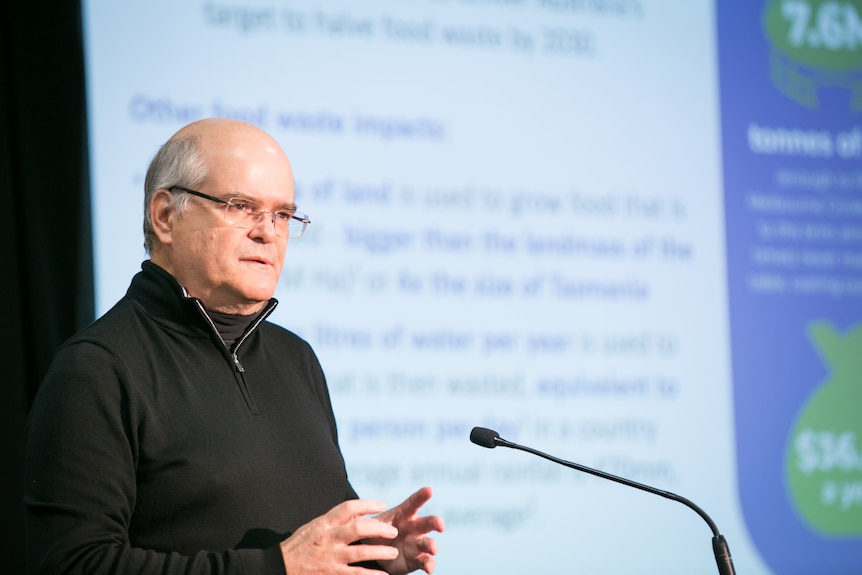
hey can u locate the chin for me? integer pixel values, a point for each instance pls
(258, 295)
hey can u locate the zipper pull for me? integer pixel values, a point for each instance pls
(238, 365)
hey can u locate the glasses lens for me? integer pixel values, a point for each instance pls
(297, 224)
(244, 213)
(241, 212)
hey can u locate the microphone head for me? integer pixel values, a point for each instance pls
(484, 437)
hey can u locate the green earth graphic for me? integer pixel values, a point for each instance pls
(823, 463)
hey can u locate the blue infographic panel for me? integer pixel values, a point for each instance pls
(791, 103)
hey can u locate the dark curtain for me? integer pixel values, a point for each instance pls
(47, 276)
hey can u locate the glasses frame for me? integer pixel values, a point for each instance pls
(300, 217)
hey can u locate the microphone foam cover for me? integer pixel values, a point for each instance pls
(484, 437)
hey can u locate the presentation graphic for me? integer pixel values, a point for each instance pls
(792, 131)
(824, 459)
(814, 44)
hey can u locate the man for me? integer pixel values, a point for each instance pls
(182, 433)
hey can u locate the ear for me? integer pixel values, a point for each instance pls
(162, 216)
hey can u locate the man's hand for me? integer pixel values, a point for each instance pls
(415, 549)
(323, 545)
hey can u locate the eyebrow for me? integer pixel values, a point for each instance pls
(287, 206)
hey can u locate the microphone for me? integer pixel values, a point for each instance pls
(491, 439)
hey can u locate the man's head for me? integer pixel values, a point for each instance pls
(231, 269)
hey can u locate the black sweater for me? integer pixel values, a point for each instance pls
(151, 449)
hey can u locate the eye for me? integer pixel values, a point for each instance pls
(283, 216)
(241, 206)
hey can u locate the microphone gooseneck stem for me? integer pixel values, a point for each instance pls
(719, 544)
(624, 481)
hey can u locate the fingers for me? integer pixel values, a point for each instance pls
(409, 508)
(344, 512)
(363, 553)
(405, 518)
(369, 528)
(428, 523)
(416, 549)
(412, 505)
(428, 564)
(426, 545)
(325, 544)
(352, 517)
(416, 500)
(426, 549)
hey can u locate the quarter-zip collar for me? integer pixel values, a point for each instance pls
(234, 350)
(186, 313)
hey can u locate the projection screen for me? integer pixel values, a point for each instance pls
(627, 233)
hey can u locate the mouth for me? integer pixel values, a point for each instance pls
(257, 260)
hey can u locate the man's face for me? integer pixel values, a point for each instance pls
(231, 269)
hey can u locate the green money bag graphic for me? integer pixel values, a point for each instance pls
(823, 463)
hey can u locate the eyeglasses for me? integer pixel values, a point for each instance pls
(244, 213)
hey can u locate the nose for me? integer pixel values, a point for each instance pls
(264, 217)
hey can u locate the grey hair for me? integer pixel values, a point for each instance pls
(179, 162)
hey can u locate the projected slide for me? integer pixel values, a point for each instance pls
(618, 231)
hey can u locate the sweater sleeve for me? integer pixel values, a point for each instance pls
(80, 469)
(317, 377)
